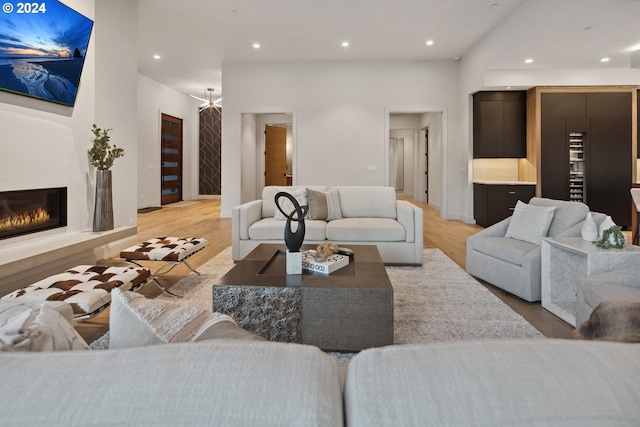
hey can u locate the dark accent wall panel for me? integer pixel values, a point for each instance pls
(210, 175)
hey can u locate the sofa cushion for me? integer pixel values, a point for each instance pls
(366, 230)
(367, 202)
(627, 277)
(504, 248)
(594, 292)
(536, 382)
(566, 214)
(26, 327)
(211, 383)
(324, 205)
(530, 223)
(136, 321)
(272, 229)
(269, 194)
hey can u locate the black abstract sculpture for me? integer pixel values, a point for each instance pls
(293, 239)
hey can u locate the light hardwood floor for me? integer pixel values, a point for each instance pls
(202, 219)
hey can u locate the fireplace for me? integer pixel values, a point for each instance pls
(28, 211)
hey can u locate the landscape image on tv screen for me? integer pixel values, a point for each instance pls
(42, 50)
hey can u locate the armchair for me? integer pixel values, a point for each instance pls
(514, 265)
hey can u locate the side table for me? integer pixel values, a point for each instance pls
(565, 260)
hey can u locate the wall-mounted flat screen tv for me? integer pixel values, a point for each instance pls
(43, 46)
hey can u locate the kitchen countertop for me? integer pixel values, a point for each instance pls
(505, 182)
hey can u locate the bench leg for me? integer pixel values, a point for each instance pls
(160, 271)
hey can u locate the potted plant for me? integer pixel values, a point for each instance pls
(101, 156)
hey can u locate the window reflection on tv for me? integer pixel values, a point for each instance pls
(42, 50)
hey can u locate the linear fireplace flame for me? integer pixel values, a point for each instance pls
(24, 219)
(30, 211)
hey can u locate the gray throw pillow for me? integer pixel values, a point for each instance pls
(317, 204)
(324, 206)
(530, 223)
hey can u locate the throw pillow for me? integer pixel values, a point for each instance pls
(324, 206)
(530, 223)
(317, 204)
(299, 194)
(23, 328)
(136, 321)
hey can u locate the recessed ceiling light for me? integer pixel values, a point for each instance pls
(429, 42)
(256, 45)
(345, 44)
(528, 61)
(156, 56)
(604, 60)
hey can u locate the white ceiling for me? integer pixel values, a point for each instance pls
(194, 37)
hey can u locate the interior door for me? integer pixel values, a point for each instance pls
(171, 160)
(275, 155)
(426, 164)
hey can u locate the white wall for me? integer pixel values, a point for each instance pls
(116, 98)
(340, 114)
(45, 145)
(155, 99)
(249, 148)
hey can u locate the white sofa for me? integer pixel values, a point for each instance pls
(371, 215)
(234, 383)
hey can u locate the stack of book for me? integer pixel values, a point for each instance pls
(333, 263)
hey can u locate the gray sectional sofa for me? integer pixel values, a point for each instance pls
(235, 383)
(622, 285)
(370, 215)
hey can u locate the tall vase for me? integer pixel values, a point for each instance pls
(589, 229)
(103, 207)
(606, 224)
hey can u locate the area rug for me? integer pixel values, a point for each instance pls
(436, 302)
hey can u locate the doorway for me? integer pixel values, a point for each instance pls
(170, 159)
(275, 155)
(424, 157)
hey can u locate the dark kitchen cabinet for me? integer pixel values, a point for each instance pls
(494, 202)
(499, 124)
(604, 120)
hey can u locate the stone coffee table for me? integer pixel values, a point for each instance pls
(349, 310)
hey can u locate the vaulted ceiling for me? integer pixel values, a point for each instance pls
(194, 37)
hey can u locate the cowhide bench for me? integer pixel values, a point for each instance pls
(86, 288)
(170, 250)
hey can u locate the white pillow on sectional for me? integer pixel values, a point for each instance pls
(301, 197)
(530, 223)
(136, 321)
(41, 328)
